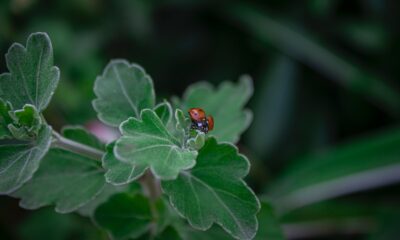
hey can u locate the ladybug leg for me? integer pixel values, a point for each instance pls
(193, 125)
(204, 126)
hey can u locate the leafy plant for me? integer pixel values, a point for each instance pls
(182, 173)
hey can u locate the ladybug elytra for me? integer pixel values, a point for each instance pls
(200, 121)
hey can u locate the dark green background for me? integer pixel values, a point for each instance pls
(326, 73)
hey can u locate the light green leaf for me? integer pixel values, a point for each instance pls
(147, 143)
(164, 112)
(65, 179)
(356, 166)
(182, 125)
(269, 228)
(20, 160)
(119, 173)
(32, 78)
(198, 141)
(122, 91)
(225, 104)
(124, 216)
(22, 124)
(27, 123)
(215, 192)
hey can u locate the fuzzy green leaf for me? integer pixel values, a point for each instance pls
(27, 123)
(197, 142)
(147, 143)
(65, 179)
(182, 124)
(119, 173)
(269, 228)
(124, 216)
(32, 78)
(20, 160)
(225, 104)
(215, 192)
(122, 91)
(164, 112)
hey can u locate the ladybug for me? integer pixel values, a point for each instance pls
(200, 121)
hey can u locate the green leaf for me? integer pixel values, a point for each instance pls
(356, 166)
(109, 190)
(225, 104)
(119, 173)
(182, 125)
(27, 123)
(169, 233)
(215, 192)
(32, 78)
(22, 124)
(215, 232)
(80, 134)
(147, 143)
(198, 141)
(20, 160)
(164, 112)
(124, 216)
(5, 119)
(122, 91)
(27, 116)
(65, 179)
(269, 228)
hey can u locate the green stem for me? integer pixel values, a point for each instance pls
(76, 147)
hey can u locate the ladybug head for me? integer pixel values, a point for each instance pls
(197, 114)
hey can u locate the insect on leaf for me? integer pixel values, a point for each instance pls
(225, 104)
(147, 143)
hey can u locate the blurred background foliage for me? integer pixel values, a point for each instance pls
(325, 141)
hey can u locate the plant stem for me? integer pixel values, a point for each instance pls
(76, 147)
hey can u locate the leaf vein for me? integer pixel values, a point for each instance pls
(221, 202)
(122, 86)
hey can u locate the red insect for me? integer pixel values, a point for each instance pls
(200, 121)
